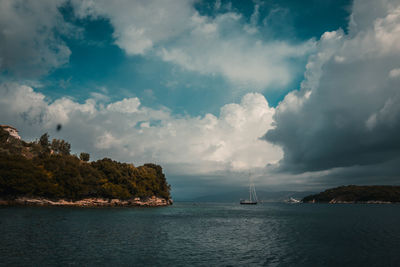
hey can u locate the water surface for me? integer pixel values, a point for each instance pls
(202, 234)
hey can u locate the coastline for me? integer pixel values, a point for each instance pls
(357, 194)
(334, 201)
(88, 202)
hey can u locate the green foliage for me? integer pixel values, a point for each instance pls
(59, 146)
(111, 190)
(44, 140)
(354, 193)
(84, 156)
(20, 176)
(26, 169)
(3, 135)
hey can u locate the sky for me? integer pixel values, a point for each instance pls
(304, 95)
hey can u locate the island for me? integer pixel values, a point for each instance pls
(45, 173)
(372, 194)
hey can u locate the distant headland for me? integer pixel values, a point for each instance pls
(44, 173)
(373, 194)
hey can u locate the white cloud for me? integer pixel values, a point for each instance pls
(127, 105)
(61, 109)
(126, 131)
(223, 45)
(106, 141)
(99, 96)
(138, 25)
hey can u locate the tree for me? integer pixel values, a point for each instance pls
(55, 145)
(59, 146)
(28, 169)
(65, 148)
(84, 156)
(44, 140)
(44, 145)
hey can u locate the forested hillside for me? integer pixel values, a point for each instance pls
(47, 169)
(357, 194)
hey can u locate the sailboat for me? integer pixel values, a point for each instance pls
(252, 196)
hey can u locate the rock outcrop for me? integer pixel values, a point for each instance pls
(13, 132)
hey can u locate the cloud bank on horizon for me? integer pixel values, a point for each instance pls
(126, 130)
(344, 115)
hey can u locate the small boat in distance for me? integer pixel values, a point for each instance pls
(252, 196)
(292, 200)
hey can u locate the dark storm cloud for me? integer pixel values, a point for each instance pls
(29, 45)
(386, 173)
(347, 112)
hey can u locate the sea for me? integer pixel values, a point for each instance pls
(202, 234)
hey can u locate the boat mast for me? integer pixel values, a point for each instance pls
(249, 186)
(250, 192)
(254, 192)
(252, 189)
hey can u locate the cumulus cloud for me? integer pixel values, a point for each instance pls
(127, 105)
(346, 112)
(128, 131)
(226, 45)
(223, 45)
(28, 43)
(139, 25)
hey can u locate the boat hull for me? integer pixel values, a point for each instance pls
(248, 203)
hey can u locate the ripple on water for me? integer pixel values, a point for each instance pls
(202, 234)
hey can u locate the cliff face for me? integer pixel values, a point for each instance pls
(377, 194)
(13, 132)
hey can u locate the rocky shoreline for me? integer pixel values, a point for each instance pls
(88, 202)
